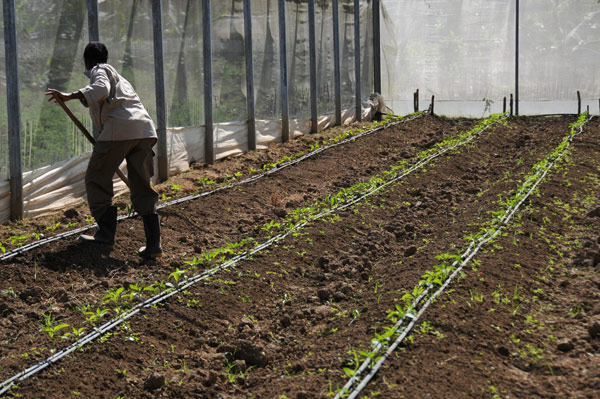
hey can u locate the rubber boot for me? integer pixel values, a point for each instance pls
(152, 250)
(107, 227)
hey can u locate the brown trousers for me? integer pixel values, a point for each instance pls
(106, 158)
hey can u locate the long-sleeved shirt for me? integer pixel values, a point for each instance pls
(114, 106)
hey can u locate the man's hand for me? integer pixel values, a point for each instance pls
(76, 95)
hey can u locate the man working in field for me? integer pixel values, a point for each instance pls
(126, 132)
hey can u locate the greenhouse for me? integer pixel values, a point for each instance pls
(356, 198)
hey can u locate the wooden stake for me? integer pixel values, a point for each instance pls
(432, 104)
(511, 104)
(504, 105)
(416, 100)
(578, 103)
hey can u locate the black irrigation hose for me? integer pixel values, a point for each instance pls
(70, 233)
(412, 319)
(99, 331)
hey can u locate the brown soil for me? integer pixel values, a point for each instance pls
(282, 323)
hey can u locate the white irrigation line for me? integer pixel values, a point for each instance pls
(471, 251)
(37, 244)
(99, 331)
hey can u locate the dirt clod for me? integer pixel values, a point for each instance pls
(594, 328)
(154, 382)
(565, 345)
(410, 251)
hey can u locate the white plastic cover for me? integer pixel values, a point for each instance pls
(463, 52)
(60, 186)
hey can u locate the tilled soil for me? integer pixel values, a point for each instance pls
(285, 323)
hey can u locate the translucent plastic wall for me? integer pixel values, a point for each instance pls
(3, 116)
(461, 51)
(347, 53)
(183, 62)
(560, 54)
(298, 59)
(325, 61)
(229, 69)
(126, 29)
(366, 48)
(265, 35)
(51, 35)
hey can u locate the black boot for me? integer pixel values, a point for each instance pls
(152, 249)
(107, 226)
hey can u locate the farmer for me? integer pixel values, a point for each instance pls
(125, 132)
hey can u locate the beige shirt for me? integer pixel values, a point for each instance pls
(115, 108)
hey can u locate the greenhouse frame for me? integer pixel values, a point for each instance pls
(264, 71)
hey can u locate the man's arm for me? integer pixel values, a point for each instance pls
(76, 95)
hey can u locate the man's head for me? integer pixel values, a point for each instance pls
(94, 53)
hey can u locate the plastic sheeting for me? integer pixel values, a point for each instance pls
(51, 35)
(463, 52)
(58, 187)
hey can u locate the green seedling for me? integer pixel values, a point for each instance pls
(113, 296)
(53, 227)
(75, 334)
(93, 317)
(52, 330)
(18, 240)
(177, 276)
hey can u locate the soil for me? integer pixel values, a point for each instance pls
(522, 321)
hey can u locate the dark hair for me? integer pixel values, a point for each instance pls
(95, 53)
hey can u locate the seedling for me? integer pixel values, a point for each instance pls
(93, 317)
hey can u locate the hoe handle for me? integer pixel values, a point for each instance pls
(85, 132)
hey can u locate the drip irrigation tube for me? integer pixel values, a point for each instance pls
(99, 331)
(70, 233)
(411, 318)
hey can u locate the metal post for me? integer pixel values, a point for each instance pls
(517, 61)
(336, 63)
(13, 109)
(285, 107)
(159, 78)
(357, 60)
(209, 153)
(93, 27)
(376, 47)
(312, 39)
(249, 76)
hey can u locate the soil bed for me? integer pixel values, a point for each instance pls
(286, 322)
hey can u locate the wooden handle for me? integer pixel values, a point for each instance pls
(85, 132)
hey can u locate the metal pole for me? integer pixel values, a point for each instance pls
(249, 76)
(312, 39)
(285, 107)
(13, 109)
(159, 78)
(517, 61)
(376, 47)
(93, 27)
(336, 63)
(357, 60)
(209, 153)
